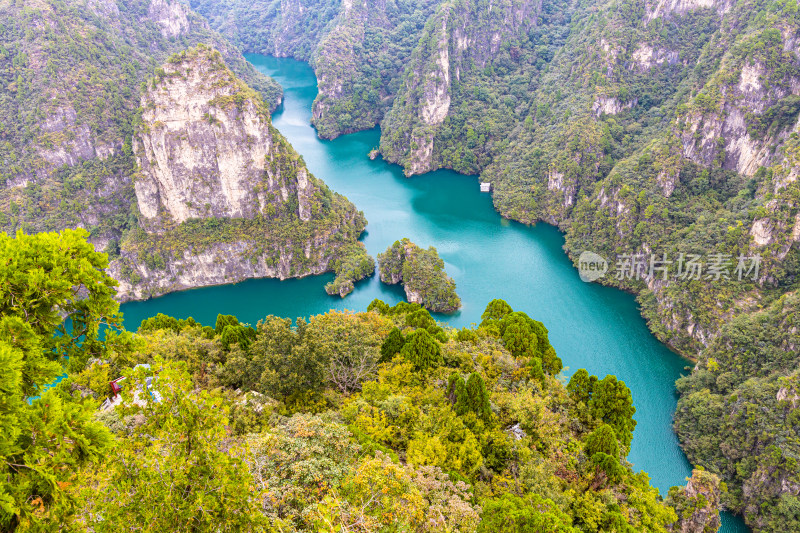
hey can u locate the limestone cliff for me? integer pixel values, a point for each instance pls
(340, 62)
(283, 28)
(207, 149)
(172, 18)
(458, 44)
(66, 118)
(221, 195)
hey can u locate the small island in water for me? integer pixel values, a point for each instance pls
(422, 274)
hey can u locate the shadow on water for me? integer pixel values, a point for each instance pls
(592, 327)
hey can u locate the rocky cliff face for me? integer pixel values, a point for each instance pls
(666, 8)
(283, 28)
(737, 412)
(722, 124)
(457, 45)
(66, 119)
(206, 149)
(171, 17)
(358, 48)
(221, 195)
(220, 263)
(339, 62)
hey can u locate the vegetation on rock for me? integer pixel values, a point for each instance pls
(422, 274)
(696, 503)
(354, 265)
(279, 221)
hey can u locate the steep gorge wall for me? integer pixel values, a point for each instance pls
(358, 49)
(221, 194)
(459, 41)
(70, 90)
(205, 147)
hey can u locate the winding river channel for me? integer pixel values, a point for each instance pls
(592, 327)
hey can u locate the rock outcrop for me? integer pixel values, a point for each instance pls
(422, 274)
(458, 44)
(207, 148)
(697, 504)
(221, 195)
(71, 164)
(170, 16)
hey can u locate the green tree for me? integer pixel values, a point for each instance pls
(496, 310)
(514, 514)
(612, 403)
(237, 334)
(420, 318)
(299, 462)
(285, 366)
(392, 345)
(457, 393)
(580, 386)
(172, 473)
(54, 298)
(422, 350)
(602, 440)
(162, 321)
(520, 340)
(478, 397)
(535, 369)
(225, 320)
(350, 343)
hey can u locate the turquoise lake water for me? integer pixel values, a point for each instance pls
(592, 327)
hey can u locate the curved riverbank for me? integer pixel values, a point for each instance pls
(591, 326)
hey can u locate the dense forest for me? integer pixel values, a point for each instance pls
(383, 420)
(649, 132)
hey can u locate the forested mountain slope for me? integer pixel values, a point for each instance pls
(73, 72)
(642, 128)
(359, 50)
(72, 76)
(83, 142)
